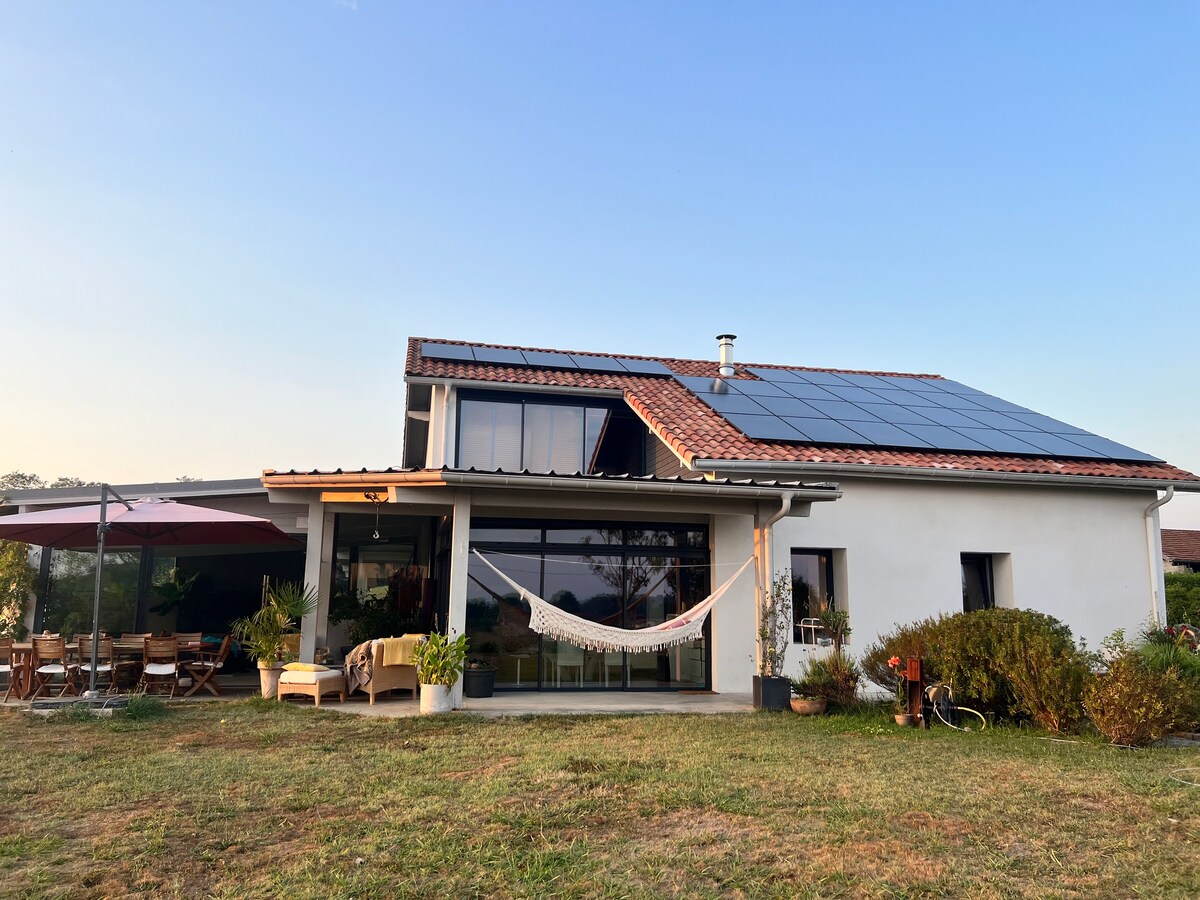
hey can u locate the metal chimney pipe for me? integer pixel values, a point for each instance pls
(725, 342)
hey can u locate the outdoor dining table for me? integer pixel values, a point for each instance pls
(22, 675)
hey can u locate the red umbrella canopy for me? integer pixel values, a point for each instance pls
(150, 521)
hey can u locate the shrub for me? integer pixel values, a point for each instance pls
(1134, 705)
(1183, 597)
(834, 677)
(903, 641)
(1016, 664)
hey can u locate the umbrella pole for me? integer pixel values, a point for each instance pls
(101, 531)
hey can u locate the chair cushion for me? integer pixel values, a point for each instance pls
(100, 667)
(159, 669)
(52, 669)
(305, 667)
(292, 677)
(205, 664)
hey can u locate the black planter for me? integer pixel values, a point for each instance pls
(772, 692)
(479, 682)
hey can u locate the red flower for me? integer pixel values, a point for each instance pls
(894, 662)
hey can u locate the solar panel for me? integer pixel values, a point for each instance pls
(950, 417)
(596, 363)
(789, 406)
(889, 435)
(732, 403)
(431, 350)
(827, 431)
(764, 428)
(496, 355)
(842, 409)
(906, 398)
(549, 359)
(949, 401)
(644, 366)
(805, 391)
(758, 388)
(897, 415)
(701, 385)
(820, 377)
(853, 394)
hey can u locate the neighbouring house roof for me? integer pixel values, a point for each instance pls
(699, 435)
(1181, 545)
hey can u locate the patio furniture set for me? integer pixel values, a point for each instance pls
(154, 663)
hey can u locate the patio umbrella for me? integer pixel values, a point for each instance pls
(147, 522)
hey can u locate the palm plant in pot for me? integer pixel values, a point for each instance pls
(264, 635)
(440, 660)
(771, 689)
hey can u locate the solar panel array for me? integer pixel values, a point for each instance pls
(892, 411)
(544, 359)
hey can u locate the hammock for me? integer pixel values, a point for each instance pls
(544, 618)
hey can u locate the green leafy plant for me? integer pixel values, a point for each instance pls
(775, 625)
(834, 677)
(440, 659)
(16, 585)
(837, 623)
(1133, 705)
(263, 634)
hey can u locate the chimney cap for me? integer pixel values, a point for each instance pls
(721, 337)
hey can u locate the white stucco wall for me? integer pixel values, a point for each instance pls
(1077, 554)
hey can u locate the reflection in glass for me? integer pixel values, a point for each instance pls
(498, 620)
(71, 593)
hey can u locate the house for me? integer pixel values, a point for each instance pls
(1181, 550)
(624, 489)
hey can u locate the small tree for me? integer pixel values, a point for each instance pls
(775, 625)
(16, 584)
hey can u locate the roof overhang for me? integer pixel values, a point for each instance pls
(773, 468)
(530, 387)
(358, 482)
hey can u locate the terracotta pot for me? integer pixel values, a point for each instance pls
(809, 707)
(904, 719)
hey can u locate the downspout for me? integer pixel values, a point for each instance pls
(1157, 582)
(765, 539)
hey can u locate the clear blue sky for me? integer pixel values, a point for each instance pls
(219, 221)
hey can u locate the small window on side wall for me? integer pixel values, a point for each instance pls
(812, 594)
(978, 584)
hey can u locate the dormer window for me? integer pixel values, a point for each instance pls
(511, 433)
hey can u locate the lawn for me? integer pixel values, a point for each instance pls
(260, 800)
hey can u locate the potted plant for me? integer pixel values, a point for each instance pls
(439, 661)
(479, 678)
(808, 701)
(903, 716)
(771, 690)
(265, 634)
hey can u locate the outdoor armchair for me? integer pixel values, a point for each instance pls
(160, 663)
(204, 668)
(10, 665)
(105, 667)
(50, 662)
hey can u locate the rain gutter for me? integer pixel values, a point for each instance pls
(1154, 557)
(745, 468)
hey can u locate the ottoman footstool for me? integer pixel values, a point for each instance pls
(313, 684)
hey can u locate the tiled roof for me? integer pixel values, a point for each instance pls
(1182, 545)
(694, 431)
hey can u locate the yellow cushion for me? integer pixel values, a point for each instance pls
(305, 667)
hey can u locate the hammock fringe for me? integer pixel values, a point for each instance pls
(547, 619)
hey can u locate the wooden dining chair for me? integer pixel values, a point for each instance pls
(10, 665)
(106, 668)
(50, 662)
(206, 666)
(160, 663)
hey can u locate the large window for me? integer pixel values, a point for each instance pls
(514, 433)
(628, 577)
(812, 593)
